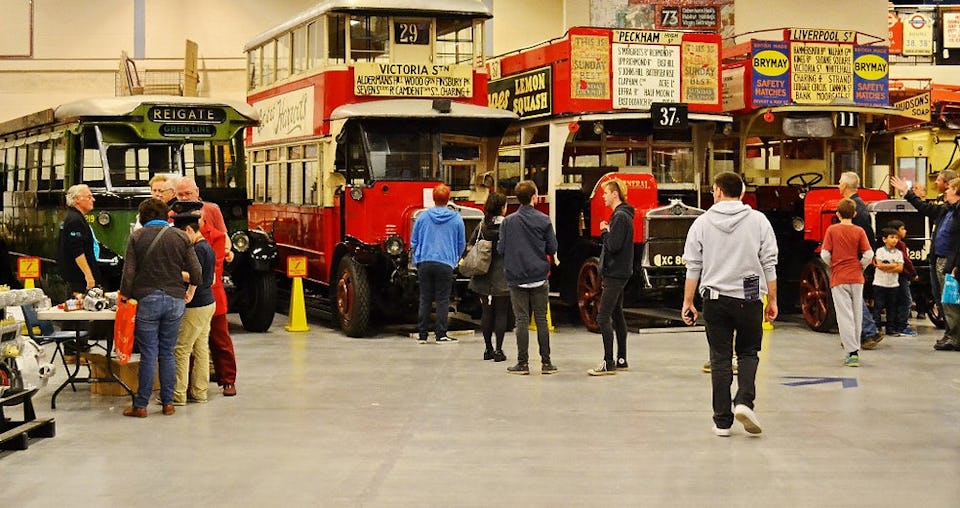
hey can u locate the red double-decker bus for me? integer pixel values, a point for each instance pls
(364, 108)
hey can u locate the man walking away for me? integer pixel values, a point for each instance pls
(731, 256)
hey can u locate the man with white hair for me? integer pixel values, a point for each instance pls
(78, 249)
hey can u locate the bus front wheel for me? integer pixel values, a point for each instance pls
(589, 289)
(257, 315)
(352, 298)
(816, 301)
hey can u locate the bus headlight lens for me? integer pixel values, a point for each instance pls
(797, 224)
(393, 245)
(103, 219)
(356, 193)
(241, 242)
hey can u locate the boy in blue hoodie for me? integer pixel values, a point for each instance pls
(438, 240)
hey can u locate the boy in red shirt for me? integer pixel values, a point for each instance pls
(846, 249)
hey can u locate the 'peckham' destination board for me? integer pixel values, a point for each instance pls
(651, 66)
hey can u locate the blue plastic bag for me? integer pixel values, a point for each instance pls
(951, 290)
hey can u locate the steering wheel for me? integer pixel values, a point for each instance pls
(804, 181)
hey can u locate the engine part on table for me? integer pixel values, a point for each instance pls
(72, 304)
(95, 304)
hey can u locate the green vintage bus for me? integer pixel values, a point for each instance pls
(115, 145)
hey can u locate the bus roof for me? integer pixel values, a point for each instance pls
(119, 106)
(418, 108)
(471, 8)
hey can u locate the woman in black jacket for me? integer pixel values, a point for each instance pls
(492, 286)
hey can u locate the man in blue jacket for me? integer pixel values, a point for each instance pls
(526, 239)
(437, 242)
(616, 267)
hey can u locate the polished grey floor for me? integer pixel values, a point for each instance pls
(323, 420)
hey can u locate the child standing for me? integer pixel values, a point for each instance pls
(846, 249)
(909, 273)
(886, 280)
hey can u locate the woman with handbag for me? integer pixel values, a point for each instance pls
(492, 285)
(157, 255)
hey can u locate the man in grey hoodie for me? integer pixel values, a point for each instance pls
(731, 256)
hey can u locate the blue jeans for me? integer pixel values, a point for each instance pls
(158, 322)
(436, 282)
(869, 328)
(525, 301)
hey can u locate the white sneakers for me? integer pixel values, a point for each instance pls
(748, 418)
(721, 432)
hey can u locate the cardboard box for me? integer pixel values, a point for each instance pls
(128, 373)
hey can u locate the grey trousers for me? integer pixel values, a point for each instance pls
(848, 303)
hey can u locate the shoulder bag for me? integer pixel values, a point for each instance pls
(477, 259)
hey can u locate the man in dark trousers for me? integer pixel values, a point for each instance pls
(77, 249)
(849, 184)
(731, 256)
(526, 239)
(616, 267)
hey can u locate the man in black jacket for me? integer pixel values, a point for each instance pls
(77, 248)
(616, 267)
(526, 239)
(946, 240)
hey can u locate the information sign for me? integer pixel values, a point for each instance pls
(296, 266)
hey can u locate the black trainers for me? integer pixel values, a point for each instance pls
(498, 356)
(488, 354)
(548, 368)
(520, 368)
(622, 364)
(603, 370)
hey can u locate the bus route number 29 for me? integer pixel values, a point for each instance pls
(668, 115)
(410, 32)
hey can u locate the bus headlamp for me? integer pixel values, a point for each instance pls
(241, 242)
(103, 219)
(393, 245)
(356, 193)
(797, 224)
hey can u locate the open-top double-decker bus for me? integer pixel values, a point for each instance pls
(115, 145)
(365, 107)
(643, 106)
(808, 106)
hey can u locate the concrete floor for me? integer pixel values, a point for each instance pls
(324, 420)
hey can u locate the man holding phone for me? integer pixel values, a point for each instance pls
(731, 257)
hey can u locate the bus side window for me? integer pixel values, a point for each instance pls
(46, 163)
(92, 169)
(58, 163)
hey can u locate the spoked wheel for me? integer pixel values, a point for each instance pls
(353, 298)
(589, 289)
(815, 298)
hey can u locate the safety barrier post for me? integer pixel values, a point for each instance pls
(297, 270)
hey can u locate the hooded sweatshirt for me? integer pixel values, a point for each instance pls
(616, 258)
(728, 243)
(439, 236)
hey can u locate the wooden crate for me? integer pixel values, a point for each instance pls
(128, 373)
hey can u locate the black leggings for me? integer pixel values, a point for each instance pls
(494, 319)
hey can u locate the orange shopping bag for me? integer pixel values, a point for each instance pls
(123, 328)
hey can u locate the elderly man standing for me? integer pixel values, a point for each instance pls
(943, 247)
(78, 249)
(214, 231)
